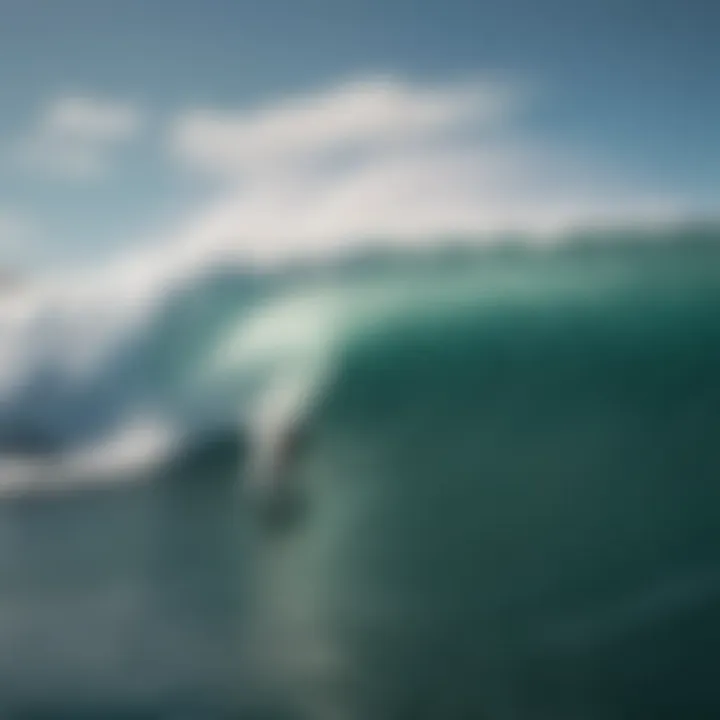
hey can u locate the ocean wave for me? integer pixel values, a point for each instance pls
(101, 379)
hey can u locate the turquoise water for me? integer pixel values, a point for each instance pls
(480, 484)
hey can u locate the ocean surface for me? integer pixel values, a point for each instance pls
(453, 482)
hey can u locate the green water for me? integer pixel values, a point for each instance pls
(499, 500)
(512, 501)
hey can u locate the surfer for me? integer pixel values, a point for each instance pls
(275, 492)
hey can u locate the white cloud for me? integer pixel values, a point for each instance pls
(390, 159)
(353, 117)
(75, 137)
(91, 119)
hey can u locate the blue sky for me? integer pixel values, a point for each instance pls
(623, 92)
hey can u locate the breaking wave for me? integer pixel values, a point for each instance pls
(100, 380)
